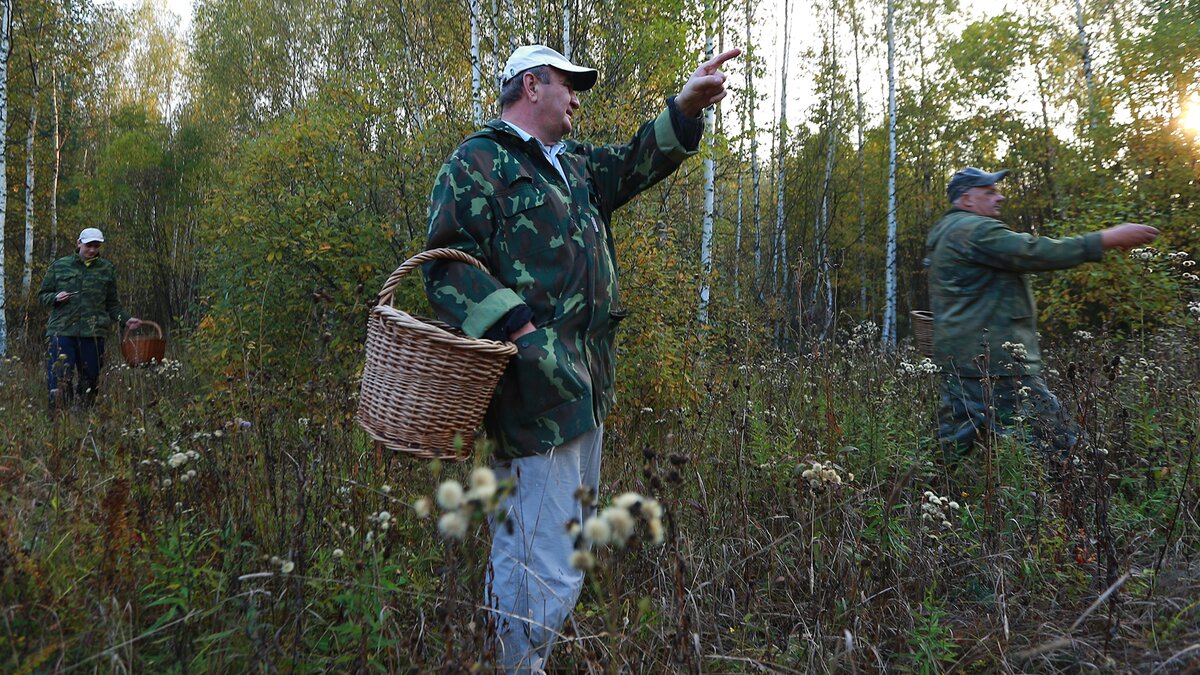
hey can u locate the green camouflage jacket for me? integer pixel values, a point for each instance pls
(547, 245)
(979, 291)
(95, 306)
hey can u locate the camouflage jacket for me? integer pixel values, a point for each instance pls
(980, 295)
(93, 308)
(547, 245)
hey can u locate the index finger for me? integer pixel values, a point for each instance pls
(715, 62)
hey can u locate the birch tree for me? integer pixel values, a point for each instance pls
(706, 233)
(780, 262)
(5, 53)
(752, 106)
(859, 123)
(27, 267)
(476, 68)
(58, 146)
(1085, 51)
(889, 314)
(566, 14)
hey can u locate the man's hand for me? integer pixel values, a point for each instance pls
(1127, 235)
(133, 323)
(706, 86)
(63, 296)
(527, 328)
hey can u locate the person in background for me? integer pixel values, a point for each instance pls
(985, 336)
(536, 209)
(81, 291)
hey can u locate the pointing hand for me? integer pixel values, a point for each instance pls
(706, 86)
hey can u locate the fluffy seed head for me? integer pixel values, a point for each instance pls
(583, 560)
(450, 495)
(598, 531)
(453, 525)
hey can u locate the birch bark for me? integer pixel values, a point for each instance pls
(889, 315)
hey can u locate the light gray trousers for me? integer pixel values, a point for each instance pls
(535, 588)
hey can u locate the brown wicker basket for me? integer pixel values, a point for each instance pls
(143, 350)
(922, 327)
(426, 384)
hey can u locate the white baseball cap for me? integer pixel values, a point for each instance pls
(90, 234)
(532, 56)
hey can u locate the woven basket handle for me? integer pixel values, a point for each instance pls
(389, 287)
(145, 322)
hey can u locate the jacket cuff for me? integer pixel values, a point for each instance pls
(687, 129)
(488, 311)
(509, 323)
(669, 143)
(1093, 249)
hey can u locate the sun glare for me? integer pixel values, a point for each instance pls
(1190, 119)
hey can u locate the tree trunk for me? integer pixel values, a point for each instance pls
(859, 114)
(1087, 70)
(5, 53)
(27, 268)
(752, 98)
(57, 169)
(706, 233)
(567, 29)
(476, 71)
(889, 315)
(781, 270)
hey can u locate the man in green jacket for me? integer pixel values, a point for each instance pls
(536, 210)
(81, 291)
(985, 320)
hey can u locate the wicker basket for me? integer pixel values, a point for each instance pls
(425, 384)
(143, 350)
(922, 326)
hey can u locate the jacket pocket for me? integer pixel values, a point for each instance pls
(542, 376)
(530, 253)
(526, 225)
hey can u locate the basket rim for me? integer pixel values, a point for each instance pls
(403, 319)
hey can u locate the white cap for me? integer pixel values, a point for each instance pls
(90, 234)
(532, 56)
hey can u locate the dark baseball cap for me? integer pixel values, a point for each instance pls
(970, 177)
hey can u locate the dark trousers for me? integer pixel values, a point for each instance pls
(1023, 407)
(73, 369)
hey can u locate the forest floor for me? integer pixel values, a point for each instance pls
(190, 523)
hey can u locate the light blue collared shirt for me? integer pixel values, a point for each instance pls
(550, 151)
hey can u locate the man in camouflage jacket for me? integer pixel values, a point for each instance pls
(81, 291)
(985, 319)
(536, 210)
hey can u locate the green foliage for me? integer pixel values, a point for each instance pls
(297, 245)
(931, 640)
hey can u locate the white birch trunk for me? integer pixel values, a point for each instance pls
(57, 169)
(1087, 68)
(781, 262)
(706, 233)
(476, 71)
(752, 97)
(859, 114)
(5, 24)
(567, 29)
(889, 315)
(27, 267)
(824, 282)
